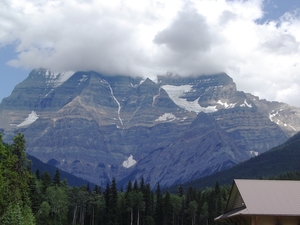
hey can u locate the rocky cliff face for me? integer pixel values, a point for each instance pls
(170, 131)
(285, 116)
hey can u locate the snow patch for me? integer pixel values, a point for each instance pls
(154, 97)
(246, 104)
(293, 128)
(118, 103)
(176, 93)
(226, 105)
(82, 79)
(254, 153)
(166, 117)
(32, 117)
(52, 89)
(129, 162)
(273, 114)
(142, 81)
(56, 79)
(136, 85)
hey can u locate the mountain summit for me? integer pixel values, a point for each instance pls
(170, 131)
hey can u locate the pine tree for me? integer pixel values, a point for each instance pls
(217, 200)
(142, 185)
(107, 197)
(37, 174)
(136, 186)
(191, 195)
(88, 189)
(168, 209)
(97, 190)
(129, 187)
(36, 195)
(180, 191)
(113, 200)
(56, 178)
(18, 150)
(148, 198)
(46, 181)
(159, 214)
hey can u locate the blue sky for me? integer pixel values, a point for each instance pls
(256, 42)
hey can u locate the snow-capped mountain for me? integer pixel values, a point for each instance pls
(170, 131)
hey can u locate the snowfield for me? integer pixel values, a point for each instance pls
(32, 117)
(129, 162)
(176, 93)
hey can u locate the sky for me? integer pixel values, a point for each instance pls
(256, 42)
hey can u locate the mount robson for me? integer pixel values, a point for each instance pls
(169, 130)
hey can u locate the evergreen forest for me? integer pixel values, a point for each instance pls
(28, 198)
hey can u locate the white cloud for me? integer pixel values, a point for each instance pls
(146, 38)
(188, 33)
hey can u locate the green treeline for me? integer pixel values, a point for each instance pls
(27, 199)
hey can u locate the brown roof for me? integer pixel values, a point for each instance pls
(263, 197)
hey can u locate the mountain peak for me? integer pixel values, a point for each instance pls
(177, 129)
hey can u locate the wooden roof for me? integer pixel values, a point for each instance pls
(263, 197)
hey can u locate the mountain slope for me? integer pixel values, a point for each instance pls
(71, 179)
(98, 127)
(281, 159)
(210, 149)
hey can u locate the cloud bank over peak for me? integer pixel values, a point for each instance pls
(147, 38)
